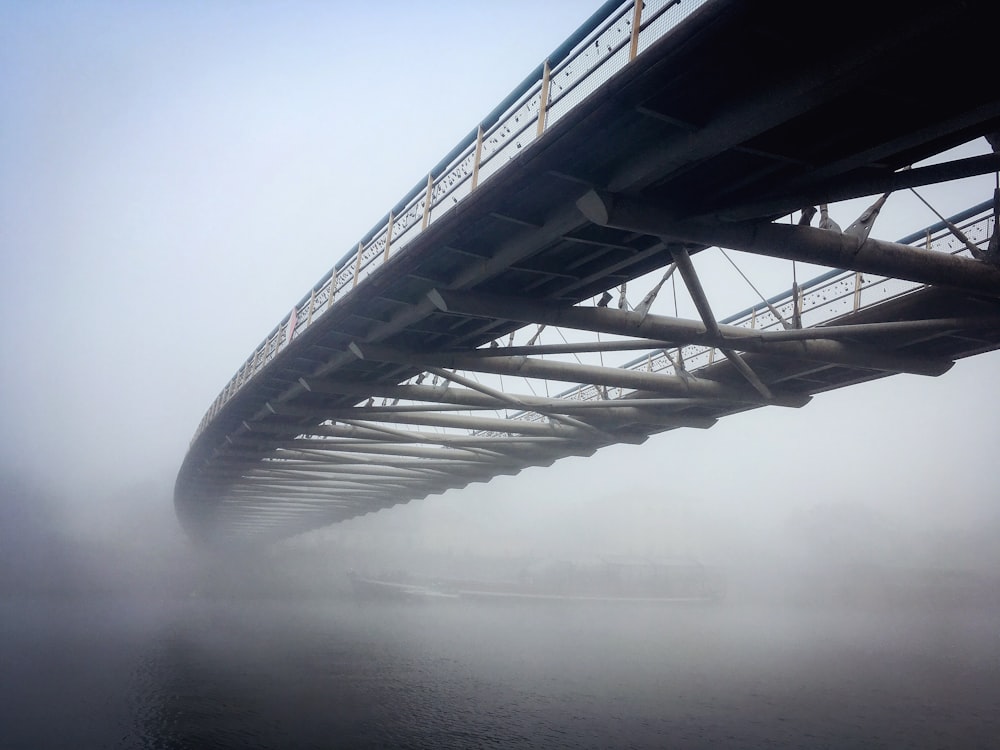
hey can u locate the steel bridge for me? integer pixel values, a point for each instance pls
(519, 305)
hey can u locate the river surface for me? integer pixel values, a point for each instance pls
(449, 674)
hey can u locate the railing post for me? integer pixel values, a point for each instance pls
(753, 318)
(357, 264)
(427, 205)
(388, 238)
(477, 158)
(291, 326)
(633, 49)
(543, 101)
(312, 304)
(858, 280)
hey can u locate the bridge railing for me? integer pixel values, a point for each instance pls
(613, 36)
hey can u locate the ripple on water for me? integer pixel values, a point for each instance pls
(287, 675)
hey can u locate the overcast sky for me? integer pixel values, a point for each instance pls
(175, 176)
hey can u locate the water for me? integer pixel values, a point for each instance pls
(293, 674)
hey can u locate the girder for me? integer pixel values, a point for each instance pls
(609, 412)
(811, 344)
(575, 373)
(801, 243)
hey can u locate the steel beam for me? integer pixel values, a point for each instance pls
(511, 427)
(330, 450)
(801, 243)
(624, 408)
(854, 186)
(683, 331)
(427, 438)
(413, 456)
(337, 470)
(345, 483)
(392, 448)
(253, 507)
(474, 423)
(570, 422)
(905, 328)
(329, 482)
(455, 421)
(693, 283)
(253, 488)
(606, 413)
(590, 347)
(615, 377)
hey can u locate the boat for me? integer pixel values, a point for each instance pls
(397, 587)
(606, 580)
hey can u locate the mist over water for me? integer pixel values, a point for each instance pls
(156, 644)
(299, 673)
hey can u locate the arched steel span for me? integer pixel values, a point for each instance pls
(654, 132)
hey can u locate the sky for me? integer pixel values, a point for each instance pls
(175, 176)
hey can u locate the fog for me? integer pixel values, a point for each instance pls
(172, 178)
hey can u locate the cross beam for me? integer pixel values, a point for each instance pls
(614, 377)
(683, 331)
(801, 243)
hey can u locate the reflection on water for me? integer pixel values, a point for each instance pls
(282, 674)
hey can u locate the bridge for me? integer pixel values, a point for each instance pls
(522, 302)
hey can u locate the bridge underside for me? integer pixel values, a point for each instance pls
(736, 118)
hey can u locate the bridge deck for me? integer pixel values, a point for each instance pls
(735, 117)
